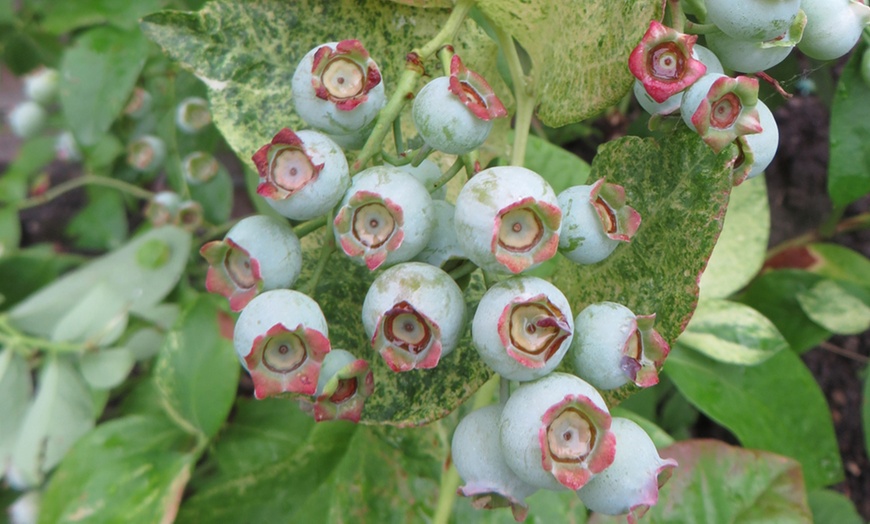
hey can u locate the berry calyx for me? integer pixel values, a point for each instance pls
(721, 108)
(343, 386)
(664, 63)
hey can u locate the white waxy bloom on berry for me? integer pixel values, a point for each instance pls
(476, 453)
(752, 19)
(386, 216)
(302, 175)
(146, 153)
(27, 119)
(751, 56)
(414, 314)
(631, 484)
(756, 151)
(721, 108)
(427, 173)
(259, 253)
(555, 432)
(613, 346)
(523, 328)
(281, 338)
(508, 219)
(337, 88)
(833, 27)
(443, 248)
(595, 221)
(42, 85)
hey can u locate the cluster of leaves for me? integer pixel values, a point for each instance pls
(176, 440)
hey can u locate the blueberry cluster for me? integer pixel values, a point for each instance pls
(555, 431)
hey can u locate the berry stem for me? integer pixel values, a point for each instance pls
(524, 94)
(693, 28)
(830, 229)
(397, 136)
(310, 226)
(75, 183)
(445, 55)
(466, 268)
(11, 337)
(408, 82)
(677, 18)
(421, 155)
(446, 177)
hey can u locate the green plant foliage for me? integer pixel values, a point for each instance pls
(16, 388)
(34, 155)
(742, 246)
(248, 62)
(561, 168)
(865, 414)
(97, 319)
(215, 196)
(849, 168)
(575, 77)
(775, 406)
(33, 267)
(102, 223)
(733, 333)
(106, 368)
(751, 486)
(143, 465)
(10, 230)
(99, 73)
(836, 308)
(831, 507)
(62, 17)
(197, 371)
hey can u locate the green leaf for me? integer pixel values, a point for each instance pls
(102, 224)
(865, 414)
(61, 412)
(98, 318)
(106, 368)
(248, 63)
(33, 155)
(849, 166)
(715, 482)
(215, 196)
(579, 50)
(774, 295)
(831, 507)
(197, 371)
(99, 72)
(775, 406)
(33, 268)
(144, 343)
(680, 188)
(561, 168)
(10, 230)
(141, 288)
(62, 16)
(16, 387)
(835, 308)
(828, 260)
(742, 246)
(733, 333)
(132, 470)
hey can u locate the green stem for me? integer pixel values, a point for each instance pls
(310, 226)
(523, 93)
(408, 82)
(10, 336)
(678, 19)
(700, 29)
(421, 155)
(445, 55)
(395, 160)
(84, 180)
(397, 136)
(325, 252)
(855, 223)
(446, 177)
(829, 227)
(466, 268)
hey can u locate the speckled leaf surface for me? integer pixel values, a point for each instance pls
(246, 53)
(579, 50)
(409, 398)
(680, 188)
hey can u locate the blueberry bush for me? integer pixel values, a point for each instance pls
(341, 261)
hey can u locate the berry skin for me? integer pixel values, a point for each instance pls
(27, 119)
(555, 432)
(199, 167)
(414, 315)
(281, 338)
(192, 115)
(631, 484)
(42, 85)
(146, 153)
(751, 56)
(302, 175)
(757, 150)
(139, 104)
(337, 88)
(595, 221)
(427, 173)
(522, 328)
(756, 20)
(507, 219)
(443, 249)
(476, 453)
(721, 108)
(386, 216)
(343, 386)
(833, 27)
(454, 113)
(259, 253)
(664, 62)
(613, 346)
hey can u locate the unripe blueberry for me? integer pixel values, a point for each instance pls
(555, 432)
(672, 104)
(302, 175)
(476, 453)
(631, 484)
(199, 167)
(259, 253)
(386, 216)
(664, 62)
(613, 346)
(522, 328)
(42, 85)
(454, 113)
(595, 221)
(756, 151)
(721, 108)
(25, 509)
(833, 27)
(192, 114)
(167, 207)
(752, 19)
(66, 148)
(337, 88)
(751, 56)
(443, 248)
(414, 314)
(427, 173)
(281, 338)
(343, 386)
(146, 153)
(139, 104)
(507, 219)
(27, 119)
